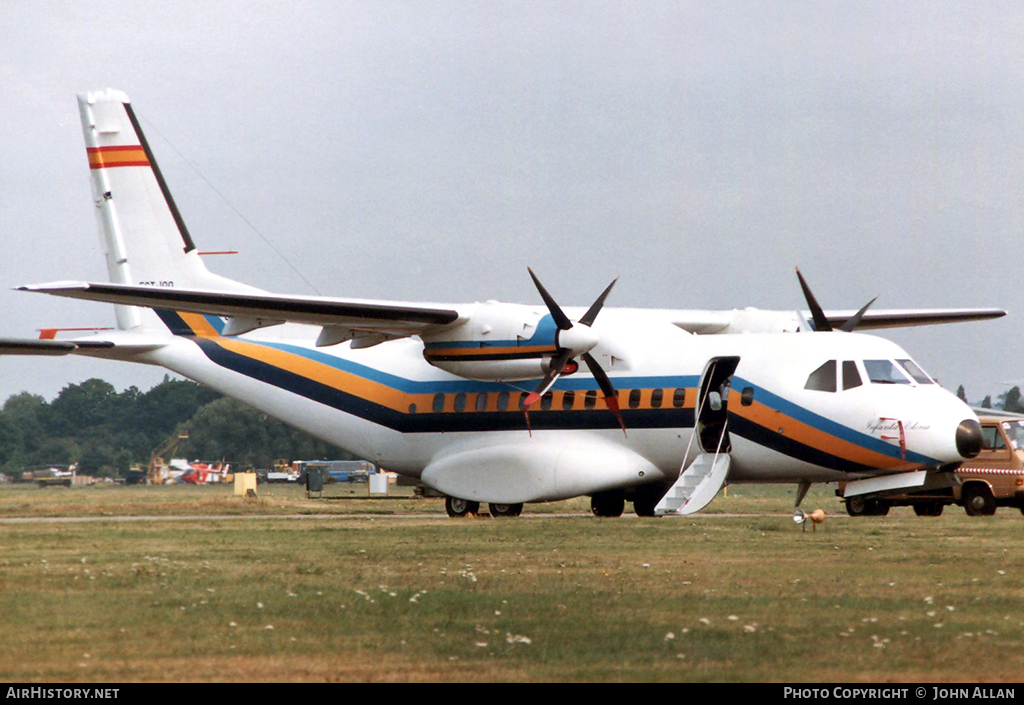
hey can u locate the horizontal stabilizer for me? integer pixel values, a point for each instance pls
(115, 346)
(34, 346)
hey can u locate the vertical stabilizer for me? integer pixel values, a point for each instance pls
(144, 236)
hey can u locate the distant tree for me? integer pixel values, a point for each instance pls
(986, 403)
(105, 431)
(1011, 400)
(226, 429)
(961, 394)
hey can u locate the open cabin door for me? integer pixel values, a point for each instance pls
(713, 405)
(698, 484)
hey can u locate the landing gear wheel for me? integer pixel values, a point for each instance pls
(460, 507)
(644, 506)
(860, 507)
(857, 507)
(978, 500)
(611, 504)
(505, 510)
(928, 509)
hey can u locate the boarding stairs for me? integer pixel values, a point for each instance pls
(696, 487)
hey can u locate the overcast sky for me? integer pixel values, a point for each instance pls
(433, 150)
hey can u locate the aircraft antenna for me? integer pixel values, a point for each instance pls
(229, 204)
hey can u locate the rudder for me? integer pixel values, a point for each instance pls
(145, 239)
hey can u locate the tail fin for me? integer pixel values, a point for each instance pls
(145, 238)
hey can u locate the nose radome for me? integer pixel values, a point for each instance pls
(968, 438)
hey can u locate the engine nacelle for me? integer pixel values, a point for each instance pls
(498, 343)
(753, 320)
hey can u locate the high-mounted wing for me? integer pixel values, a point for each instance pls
(764, 321)
(342, 319)
(902, 318)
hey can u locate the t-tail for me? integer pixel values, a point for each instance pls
(144, 236)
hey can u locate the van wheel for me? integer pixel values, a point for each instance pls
(978, 500)
(928, 509)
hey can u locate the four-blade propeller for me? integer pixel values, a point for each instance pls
(821, 323)
(574, 340)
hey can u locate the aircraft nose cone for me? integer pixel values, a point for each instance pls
(968, 438)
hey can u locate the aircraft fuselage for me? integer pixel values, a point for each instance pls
(387, 404)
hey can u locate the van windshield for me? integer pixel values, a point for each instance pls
(1015, 433)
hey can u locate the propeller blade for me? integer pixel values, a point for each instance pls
(852, 323)
(821, 323)
(557, 366)
(611, 397)
(591, 314)
(561, 320)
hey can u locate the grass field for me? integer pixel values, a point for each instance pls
(204, 586)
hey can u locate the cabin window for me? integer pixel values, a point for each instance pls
(568, 400)
(546, 401)
(590, 399)
(915, 372)
(851, 376)
(656, 398)
(884, 372)
(481, 401)
(503, 401)
(460, 401)
(634, 398)
(747, 396)
(438, 403)
(823, 379)
(679, 398)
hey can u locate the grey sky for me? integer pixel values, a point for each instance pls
(434, 150)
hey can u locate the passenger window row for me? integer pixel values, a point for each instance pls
(566, 401)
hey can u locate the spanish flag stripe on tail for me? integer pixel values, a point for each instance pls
(106, 157)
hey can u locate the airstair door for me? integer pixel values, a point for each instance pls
(713, 405)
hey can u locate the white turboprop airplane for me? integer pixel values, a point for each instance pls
(487, 402)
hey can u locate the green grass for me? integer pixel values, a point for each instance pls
(394, 590)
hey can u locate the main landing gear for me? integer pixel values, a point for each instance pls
(463, 507)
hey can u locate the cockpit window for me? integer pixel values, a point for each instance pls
(916, 372)
(823, 379)
(851, 377)
(884, 372)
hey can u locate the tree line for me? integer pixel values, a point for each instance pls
(1011, 400)
(105, 431)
